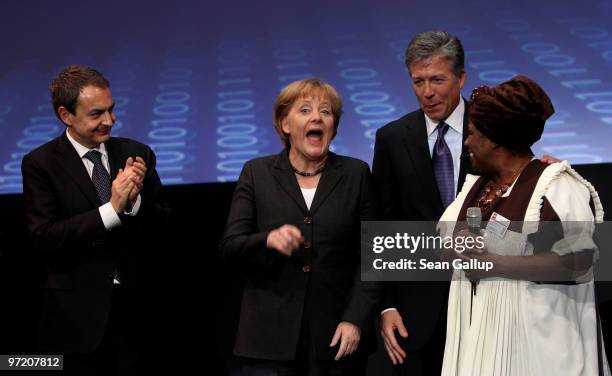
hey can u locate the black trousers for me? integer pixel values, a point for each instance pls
(428, 360)
(118, 353)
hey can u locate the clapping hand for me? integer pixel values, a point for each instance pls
(136, 170)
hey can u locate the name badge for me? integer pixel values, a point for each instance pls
(498, 225)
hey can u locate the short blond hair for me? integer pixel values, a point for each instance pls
(300, 89)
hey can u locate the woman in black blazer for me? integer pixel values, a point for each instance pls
(294, 228)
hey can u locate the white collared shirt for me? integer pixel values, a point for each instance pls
(107, 212)
(453, 137)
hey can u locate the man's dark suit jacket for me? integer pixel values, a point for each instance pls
(320, 283)
(407, 190)
(79, 255)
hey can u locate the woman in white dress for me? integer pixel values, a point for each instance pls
(534, 313)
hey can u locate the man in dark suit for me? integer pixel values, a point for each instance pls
(88, 197)
(418, 168)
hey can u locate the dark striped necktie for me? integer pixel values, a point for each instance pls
(102, 182)
(99, 176)
(443, 166)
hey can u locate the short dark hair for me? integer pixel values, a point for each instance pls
(67, 85)
(436, 43)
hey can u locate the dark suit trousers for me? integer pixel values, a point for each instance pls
(428, 360)
(118, 353)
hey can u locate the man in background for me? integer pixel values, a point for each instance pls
(418, 168)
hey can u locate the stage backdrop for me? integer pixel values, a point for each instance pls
(196, 79)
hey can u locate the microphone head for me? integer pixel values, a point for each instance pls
(474, 216)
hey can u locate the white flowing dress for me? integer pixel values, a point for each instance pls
(519, 327)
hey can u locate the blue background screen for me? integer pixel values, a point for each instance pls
(196, 80)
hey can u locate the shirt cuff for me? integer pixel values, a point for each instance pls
(387, 310)
(109, 216)
(135, 208)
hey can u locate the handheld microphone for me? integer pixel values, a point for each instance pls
(474, 218)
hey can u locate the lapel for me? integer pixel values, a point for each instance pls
(415, 141)
(465, 165)
(113, 151)
(329, 180)
(70, 161)
(286, 179)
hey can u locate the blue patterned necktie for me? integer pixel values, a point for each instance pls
(443, 166)
(99, 176)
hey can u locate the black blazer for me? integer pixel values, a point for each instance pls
(79, 256)
(407, 190)
(320, 283)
